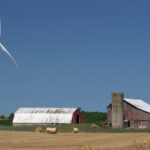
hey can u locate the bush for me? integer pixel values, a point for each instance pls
(6, 122)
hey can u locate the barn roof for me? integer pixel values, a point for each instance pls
(46, 110)
(44, 115)
(140, 104)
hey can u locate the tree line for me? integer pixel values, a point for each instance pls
(97, 118)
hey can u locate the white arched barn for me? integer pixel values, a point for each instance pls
(30, 116)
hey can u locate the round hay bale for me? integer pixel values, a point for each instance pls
(74, 130)
(38, 130)
(51, 130)
(94, 126)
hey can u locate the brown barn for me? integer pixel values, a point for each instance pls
(123, 112)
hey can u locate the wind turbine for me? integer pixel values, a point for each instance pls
(4, 49)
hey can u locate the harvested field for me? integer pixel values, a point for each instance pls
(14, 140)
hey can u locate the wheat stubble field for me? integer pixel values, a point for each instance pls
(14, 140)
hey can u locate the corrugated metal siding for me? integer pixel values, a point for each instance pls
(43, 115)
(46, 110)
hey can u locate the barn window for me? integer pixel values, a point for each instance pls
(110, 124)
(139, 122)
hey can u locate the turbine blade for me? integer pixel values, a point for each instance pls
(6, 51)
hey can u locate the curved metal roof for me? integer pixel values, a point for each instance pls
(46, 110)
(43, 115)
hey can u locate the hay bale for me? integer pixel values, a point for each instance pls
(51, 130)
(74, 130)
(38, 130)
(94, 126)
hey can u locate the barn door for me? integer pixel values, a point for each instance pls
(77, 119)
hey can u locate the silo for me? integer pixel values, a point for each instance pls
(117, 110)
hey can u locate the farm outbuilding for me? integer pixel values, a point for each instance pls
(30, 116)
(124, 112)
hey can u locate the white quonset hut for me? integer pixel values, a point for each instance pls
(30, 116)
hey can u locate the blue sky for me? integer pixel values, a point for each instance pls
(73, 53)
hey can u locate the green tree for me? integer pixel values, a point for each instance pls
(94, 117)
(11, 116)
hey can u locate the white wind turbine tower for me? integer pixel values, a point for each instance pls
(4, 49)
